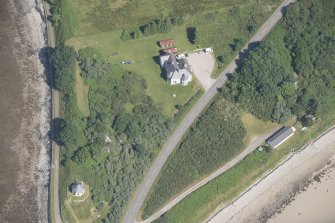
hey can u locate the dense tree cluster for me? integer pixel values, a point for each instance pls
(91, 63)
(151, 28)
(214, 139)
(264, 85)
(121, 110)
(292, 70)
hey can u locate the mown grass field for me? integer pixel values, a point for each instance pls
(199, 205)
(144, 52)
(82, 92)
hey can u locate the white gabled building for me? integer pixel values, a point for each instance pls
(177, 71)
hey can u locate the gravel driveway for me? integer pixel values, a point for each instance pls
(202, 65)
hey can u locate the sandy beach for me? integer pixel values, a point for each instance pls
(24, 114)
(315, 202)
(269, 197)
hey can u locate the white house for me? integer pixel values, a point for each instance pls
(177, 70)
(78, 189)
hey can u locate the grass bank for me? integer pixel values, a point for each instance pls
(198, 206)
(219, 135)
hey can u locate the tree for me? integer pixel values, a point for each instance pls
(63, 61)
(81, 155)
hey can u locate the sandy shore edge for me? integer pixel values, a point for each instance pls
(269, 195)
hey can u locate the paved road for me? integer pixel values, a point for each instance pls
(55, 114)
(250, 148)
(144, 188)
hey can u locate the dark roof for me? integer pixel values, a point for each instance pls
(280, 136)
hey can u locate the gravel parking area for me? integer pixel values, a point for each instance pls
(202, 65)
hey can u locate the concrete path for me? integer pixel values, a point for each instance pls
(144, 188)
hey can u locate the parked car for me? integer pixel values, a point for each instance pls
(127, 62)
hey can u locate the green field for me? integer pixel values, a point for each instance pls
(100, 16)
(218, 23)
(144, 52)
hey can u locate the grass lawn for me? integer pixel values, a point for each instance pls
(145, 53)
(82, 91)
(82, 209)
(255, 126)
(198, 206)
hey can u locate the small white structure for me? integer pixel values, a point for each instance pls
(208, 50)
(78, 189)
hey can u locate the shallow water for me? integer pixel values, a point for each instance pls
(10, 104)
(24, 115)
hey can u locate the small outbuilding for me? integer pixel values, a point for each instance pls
(170, 50)
(78, 189)
(281, 136)
(167, 43)
(208, 50)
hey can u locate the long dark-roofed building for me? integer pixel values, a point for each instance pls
(281, 136)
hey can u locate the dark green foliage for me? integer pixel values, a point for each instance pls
(264, 85)
(151, 28)
(91, 63)
(82, 155)
(63, 62)
(113, 169)
(236, 45)
(72, 135)
(64, 20)
(192, 35)
(213, 140)
(305, 43)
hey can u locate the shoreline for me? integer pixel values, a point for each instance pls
(302, 205)
(264, 198)
(28, 149)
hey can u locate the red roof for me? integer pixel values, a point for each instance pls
(170, 50)
(166, 42)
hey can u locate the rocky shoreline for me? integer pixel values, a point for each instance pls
(317, 178)
(26, 177)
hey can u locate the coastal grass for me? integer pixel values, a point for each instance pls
(199, 205)
(162, 193)
(144, 52)
(212, 141)
(82, 92)
(101, 16)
